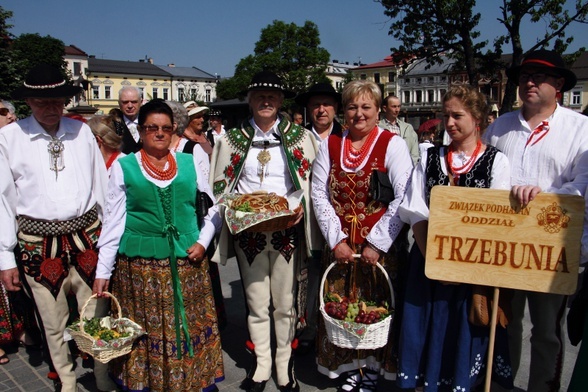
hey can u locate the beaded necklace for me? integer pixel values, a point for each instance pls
(156, 173)
(352, 158)
(467, 166)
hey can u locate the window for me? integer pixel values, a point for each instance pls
(363, 76)
(377, 77)
(442, 92)
(391, 77)
(96, 92)
(430, 96)
(419, 96)
(154, 95)
(142, 90)
(431, 79)
(107, 94)
(407, 81)
(165, 94)
(419, 80)
(181, 93)
(444, 78)
(193, 94)
(207, 99)
(577, 97)
(77, 68)
(407, 96)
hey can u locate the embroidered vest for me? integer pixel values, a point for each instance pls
(153, 211)
(350, 192)
(479, 177)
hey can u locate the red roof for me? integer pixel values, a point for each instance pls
(73, 50)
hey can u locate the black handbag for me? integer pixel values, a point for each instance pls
(203, 203)
(381, 188)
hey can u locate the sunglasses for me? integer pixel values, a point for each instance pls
(4, 112)
(155, 128)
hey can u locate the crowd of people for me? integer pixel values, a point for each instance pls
(126, 202)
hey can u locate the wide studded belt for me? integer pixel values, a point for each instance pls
(54, 228)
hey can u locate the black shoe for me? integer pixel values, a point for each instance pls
(292, 386)
(252, 386)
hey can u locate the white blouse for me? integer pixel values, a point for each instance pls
(414, 207)
(398, 165)
(115, 215)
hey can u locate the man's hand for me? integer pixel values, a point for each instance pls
(196, 252)
(343, 253)
(525, 193)
(100, 286)
(11, 279)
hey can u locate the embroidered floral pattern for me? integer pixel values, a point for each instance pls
(236, 162)
(285, 242)
(301, 164)
(252, 244)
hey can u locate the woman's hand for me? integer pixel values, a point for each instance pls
(196, 252)
(525, 193)
(343, 253)
(370, 255)
(100, 286)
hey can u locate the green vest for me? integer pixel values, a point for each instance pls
(153, 212)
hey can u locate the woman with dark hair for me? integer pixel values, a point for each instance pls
(353, 223)
(161, 277)
(439, 350)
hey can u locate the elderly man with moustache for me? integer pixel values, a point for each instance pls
(52, 189)
(268, 153)
(547, 146)
(129, 102)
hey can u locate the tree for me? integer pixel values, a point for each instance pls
(292, 52)
(556, 20)
(428, 29)
(7, 68)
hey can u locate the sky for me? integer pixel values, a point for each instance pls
(214, 35)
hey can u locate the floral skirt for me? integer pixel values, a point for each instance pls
(145, 292)
(11, 327)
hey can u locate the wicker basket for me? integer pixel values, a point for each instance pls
(348, 334)
(98, 349)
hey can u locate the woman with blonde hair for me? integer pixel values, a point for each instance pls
(353, 223)
(109, 141)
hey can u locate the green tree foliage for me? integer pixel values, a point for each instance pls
(550, 16)
(427, 29)
(7, 68)
(292, 52)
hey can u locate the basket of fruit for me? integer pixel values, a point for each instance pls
(358, 324)
(105, 338)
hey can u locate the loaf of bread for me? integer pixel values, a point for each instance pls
(260, 201)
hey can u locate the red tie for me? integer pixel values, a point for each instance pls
(539, 133)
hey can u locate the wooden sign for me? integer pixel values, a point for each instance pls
(482, 236)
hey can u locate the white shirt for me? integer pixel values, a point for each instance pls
(318, 137)
(115, 215)
(398, 166)
(558, 163)
(29, 186)
(202, 160)
(132, 126)
(216, 135)
(276, 176)
(414, 208)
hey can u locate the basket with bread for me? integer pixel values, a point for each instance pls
(260, 211)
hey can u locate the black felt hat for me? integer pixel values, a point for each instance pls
(45, 81)
(318, 89)
(548, 60)
(266, 80)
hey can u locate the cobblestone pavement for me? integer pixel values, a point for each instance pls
(26, 371)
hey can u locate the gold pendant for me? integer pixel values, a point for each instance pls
(263, 158)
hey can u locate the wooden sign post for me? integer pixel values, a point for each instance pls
(483, 236)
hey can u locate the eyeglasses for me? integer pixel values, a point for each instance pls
(537, 77)
(155, 128)
(4, 111)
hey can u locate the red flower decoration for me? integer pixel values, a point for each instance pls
(87, 261)
(52, 269)
(235, 159)
(301, 172)
(230, 172)
(305, 164)
(297, 154)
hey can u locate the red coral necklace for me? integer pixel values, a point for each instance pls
(352, 158)
(467, 166)
(156, 173)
